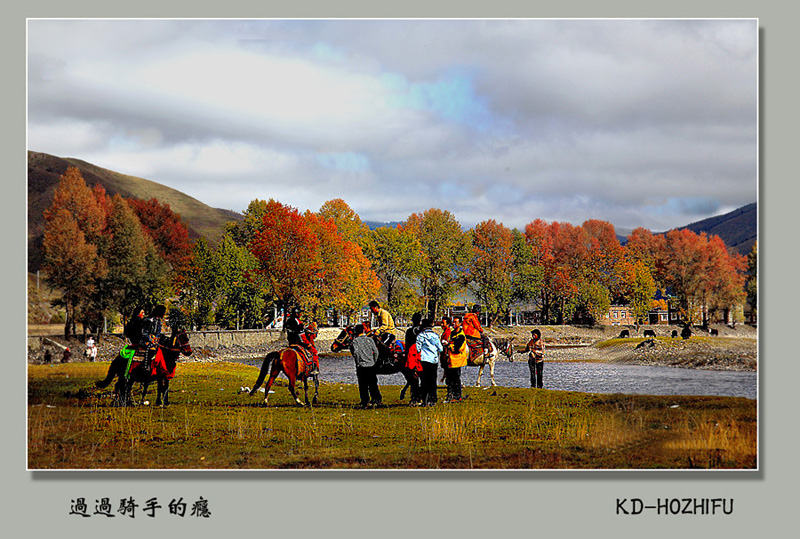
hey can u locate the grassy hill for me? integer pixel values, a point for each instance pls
(45, 170)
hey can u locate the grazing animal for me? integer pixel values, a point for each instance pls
(674, 333)
(624, 334)
(686, 332)
(292, 363)
(713, 332)
(129, 370)
(649, 333)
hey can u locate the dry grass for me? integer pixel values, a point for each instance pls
(211, 425)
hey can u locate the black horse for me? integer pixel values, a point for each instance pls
(129, 371)
(391, 358)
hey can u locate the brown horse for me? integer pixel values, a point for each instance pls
(292, 363)
(130, 371)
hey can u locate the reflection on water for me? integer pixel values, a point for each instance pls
(586, 377)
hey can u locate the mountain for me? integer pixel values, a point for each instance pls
(738, 229)
(45, 170)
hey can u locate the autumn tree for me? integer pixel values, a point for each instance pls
(167, 231)
(74, 223)
(347, 222)
(446, 250)
(244, 231)
(287, 250)
(490, 269)
(752, 280)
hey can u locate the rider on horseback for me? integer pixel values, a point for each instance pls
(385, 329)
(302, 338)
(474, 331)
(307, 340)
(151, 331)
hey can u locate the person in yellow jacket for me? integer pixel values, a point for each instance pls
(457, 354)
(385, 329)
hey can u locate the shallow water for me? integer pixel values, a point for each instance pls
(586, 377)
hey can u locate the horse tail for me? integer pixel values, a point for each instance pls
(262, 375)
(113, 371)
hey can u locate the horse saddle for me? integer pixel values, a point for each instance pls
(303, 358)
(475, 351)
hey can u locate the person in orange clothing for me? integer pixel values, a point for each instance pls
(473, 329)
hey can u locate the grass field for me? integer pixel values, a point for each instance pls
(210, 425)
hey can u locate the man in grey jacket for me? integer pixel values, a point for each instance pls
(365, 354)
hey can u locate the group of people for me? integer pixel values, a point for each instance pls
(425, 349)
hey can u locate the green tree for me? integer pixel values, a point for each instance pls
(240, 298)
(446, 250)
(137, 274)
(396, 257)
(202, 284)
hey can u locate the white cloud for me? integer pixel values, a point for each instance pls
(637, 122)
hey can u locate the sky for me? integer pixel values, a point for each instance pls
(647, 123)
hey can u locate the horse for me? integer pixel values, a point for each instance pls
(292, 363)
(129, 370)
(478, 358)
(391, 358)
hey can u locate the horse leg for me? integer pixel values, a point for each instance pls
(480, 372)
(144, 392)
(162, 390)
(292, 389)
(305, 389)
(315, 399)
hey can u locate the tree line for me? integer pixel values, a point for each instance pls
(108, 255)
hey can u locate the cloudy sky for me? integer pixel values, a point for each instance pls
(638, 122)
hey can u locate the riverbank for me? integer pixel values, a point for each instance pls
(733, 349)
(213, 424)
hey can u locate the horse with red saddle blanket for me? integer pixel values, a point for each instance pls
(128, 368)
(296, 363)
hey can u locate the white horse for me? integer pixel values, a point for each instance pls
(489, 358)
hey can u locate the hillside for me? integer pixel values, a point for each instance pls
(45, 170)
(738, 229)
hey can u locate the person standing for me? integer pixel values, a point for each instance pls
(535, 349)
(412, 357)
(457, 353)
(429, 345)
(91, 348)
(365, 354)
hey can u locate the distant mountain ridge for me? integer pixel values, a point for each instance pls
(738, 229)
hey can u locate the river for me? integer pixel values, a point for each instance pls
(585, 377)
